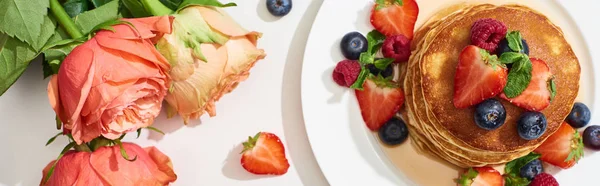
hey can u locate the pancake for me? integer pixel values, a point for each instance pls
(451, 133)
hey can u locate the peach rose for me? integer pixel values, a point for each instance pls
(105, 166)
(114, 83)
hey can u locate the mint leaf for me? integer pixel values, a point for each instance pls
(360, 80)
(381, 64)
(512, 170)
(375, 40)
(172, 4)
(552, 88)
(518, 78)
(466, 179)
(23, 19)
(215, 3)
(366, 58)
(514, 41)
(75, 7)
(511, 57)
(15, 56)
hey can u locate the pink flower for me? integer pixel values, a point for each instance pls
(105, 166)
(114, 83)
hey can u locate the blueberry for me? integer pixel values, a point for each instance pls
(503, 47)
(389, 70)
(490, 114)
(579, 116)
(279, 7)
(531, 125)
(374, 70)
(353, 44)
(591, 137)
(531, 169)
(393, 132)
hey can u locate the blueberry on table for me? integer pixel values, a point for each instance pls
(353, 44)
(531, 169)
(490, 114)
(279, 7)
(393, 132)
(579, 116)
(531, 125)
(591, 137)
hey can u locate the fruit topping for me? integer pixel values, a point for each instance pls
(389, 70)
(544, 179)
(563, 148)
(487, 33)
(279, 7)
(264, 154)
(379, 101)
(522, 170)
(480, 176)
(531, 125)
(490, 114)
(591, 137)
(395, 17)
(393, 132)
(353, 44)
(539, 92)
(346, 72)
(579, 116)
(479, 76)
(397, 47)
(503, 47)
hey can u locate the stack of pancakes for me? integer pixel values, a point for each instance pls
(437, 127)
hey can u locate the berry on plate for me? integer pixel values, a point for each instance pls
(539, 92)
(531, 169)
(487, 33)
(279, 7)
(490, 114)
(591, 137)
(479, 76)
(393, 132)
(346, 72)
(264, 154)
(563, 148)
(353, 44)
(379, 101)
(395, 17)
(481, 176)
(544, 179)
(389, 70)
(397, 47)
(580, 115)
(531, 125)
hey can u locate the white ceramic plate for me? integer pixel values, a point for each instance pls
(349, 154)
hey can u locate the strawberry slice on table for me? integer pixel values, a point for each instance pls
(379, 101)
(480, 176)
(563, 148)
(479, 76)
(264, 154)
(395, 17)
(539, 92)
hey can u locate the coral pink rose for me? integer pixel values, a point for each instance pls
(114, 83)
(105, 166)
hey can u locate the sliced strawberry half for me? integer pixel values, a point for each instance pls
(539, 92)
(563, 148)
(264, 154)
(390, 17)
(479, 76)
(481, 176)
(379, 101)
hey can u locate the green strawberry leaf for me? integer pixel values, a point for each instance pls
(76, 7)
(466, 179)
(360, 80)
(518, 78)
(380, 81)
(552, 88)
(576, 148)
(15, 56)
(488, 58)
(215, 3)
(381, 64)
(23, 19)
(172, 4)
(382, 3)
(512, 170)
(514, 41)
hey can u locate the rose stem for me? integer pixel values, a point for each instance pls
(156, 8)
(64, 20)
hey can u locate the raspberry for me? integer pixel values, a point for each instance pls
(346, 72)
(487, 33)
(397, 47)
(544, 179)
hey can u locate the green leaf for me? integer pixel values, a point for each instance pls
(98, 3)
(375, 40)
(15, 56)
(75, 7)
(62, 153)
(47, 31)
(58, 122)
(488, 58)
(552, 88)
(123, 152)
(466, 179)
(382, 3)
(88, 20)
(108, 25)
(366, 58)
(23, 19)
(381, 64)
(576, 148)
(518, 78)
(380, 81)
(511, 57)
(155, 130)
(514, 41)
(136, 8)
(55, 55)
(215, 3)
(172, 4)
(512, 170)
(360, 80)
(53, 138)
(514, 180)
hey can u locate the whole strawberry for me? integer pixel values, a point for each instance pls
(264, 154)
(544, 179)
